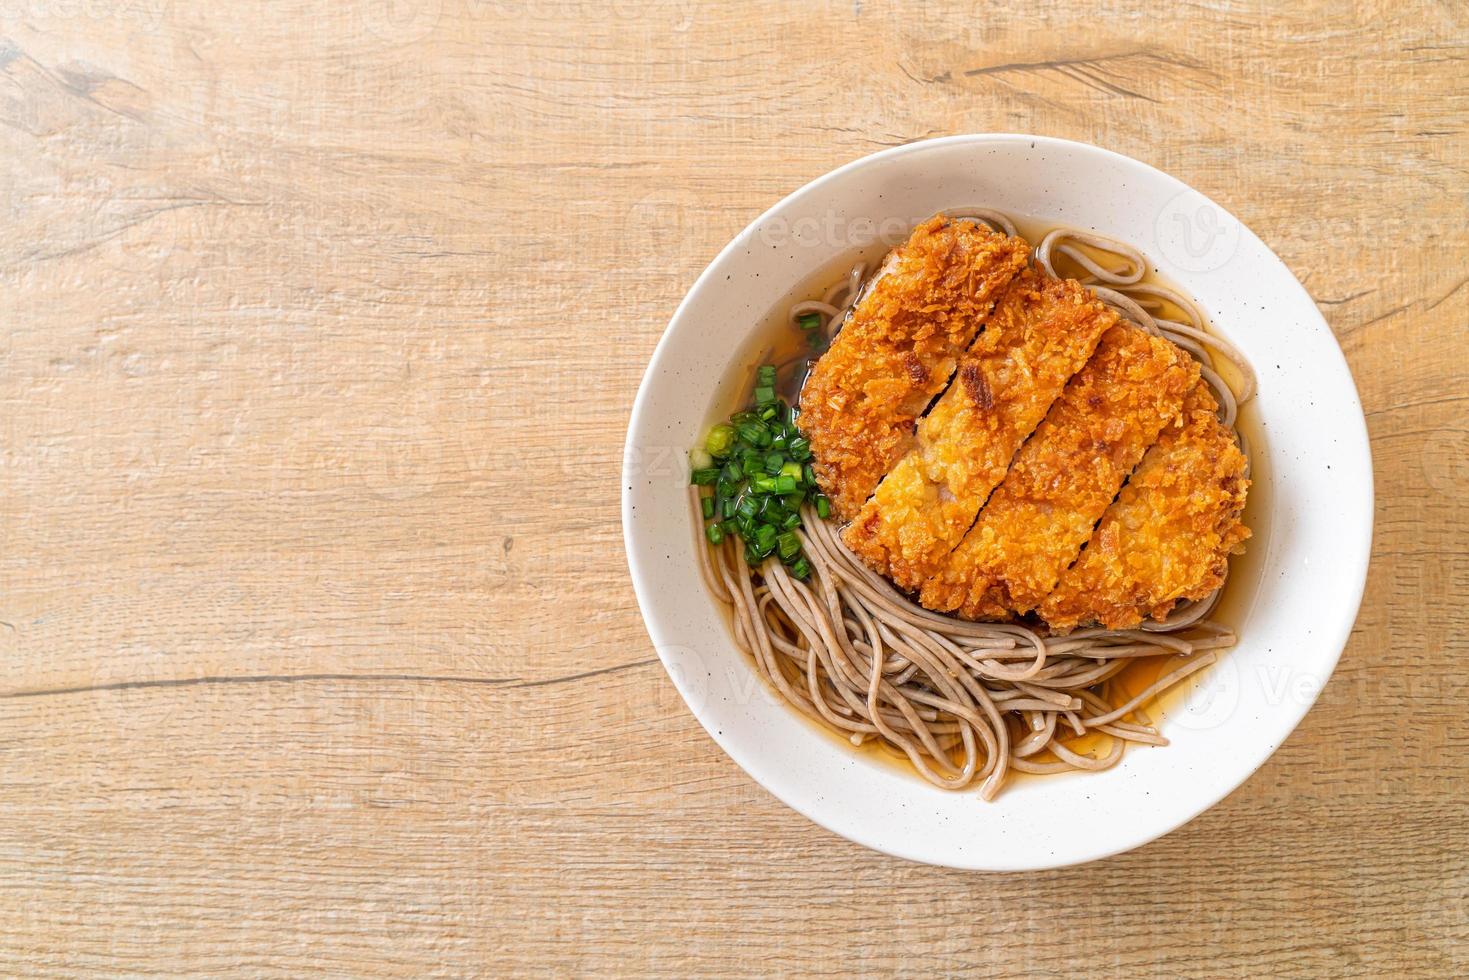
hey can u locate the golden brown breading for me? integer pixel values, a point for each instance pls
(1065, 476)
(1169, 534)
(1041, 332)
(899, 349)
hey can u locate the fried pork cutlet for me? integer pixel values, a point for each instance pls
(1064, 477)
(899, 349)
(1168, 536)
(1041, 332)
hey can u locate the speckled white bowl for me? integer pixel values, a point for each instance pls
(1311, 507)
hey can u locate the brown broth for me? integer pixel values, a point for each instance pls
(778, 341)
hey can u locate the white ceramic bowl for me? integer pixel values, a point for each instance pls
(1295, 596)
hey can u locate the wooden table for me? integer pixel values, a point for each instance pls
(321, 326)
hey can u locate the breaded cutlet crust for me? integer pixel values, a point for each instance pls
(1168, 536)
(898, 349)
(1065, 476)
(1041, 332)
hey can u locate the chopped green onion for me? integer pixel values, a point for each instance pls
(754, 433)
(720, 440)
(761, 468)
(809, 321)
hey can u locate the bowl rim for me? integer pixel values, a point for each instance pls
(1288, 715)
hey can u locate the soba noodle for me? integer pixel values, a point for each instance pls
(967, 701)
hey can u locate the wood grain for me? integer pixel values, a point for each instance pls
(321, 325)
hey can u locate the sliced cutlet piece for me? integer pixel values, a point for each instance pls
(898, 349)
(1041, 333)
(1064, 477)
(1168, 536)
